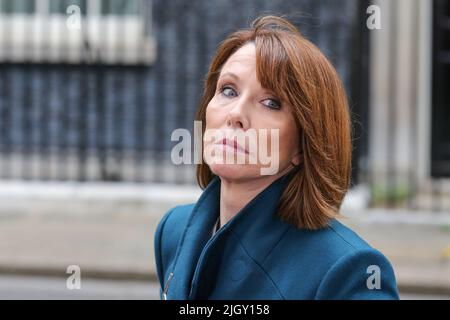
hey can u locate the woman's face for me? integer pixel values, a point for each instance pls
(249, 132)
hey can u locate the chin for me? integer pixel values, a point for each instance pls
(235, 171)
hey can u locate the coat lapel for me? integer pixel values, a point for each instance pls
(194, 239)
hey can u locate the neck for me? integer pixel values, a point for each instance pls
(234, 195)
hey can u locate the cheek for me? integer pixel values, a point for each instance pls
(288, 140)
(287, 131)
(214, 116)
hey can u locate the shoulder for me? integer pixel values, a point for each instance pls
(362, 272)
(168, 233)
(332, 242)
(174, 220)
(173, 224)
(338, 264)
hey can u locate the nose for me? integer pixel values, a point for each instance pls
(238, 116)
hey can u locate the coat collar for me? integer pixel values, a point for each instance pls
(256, 223)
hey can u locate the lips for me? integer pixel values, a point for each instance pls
(233, 144)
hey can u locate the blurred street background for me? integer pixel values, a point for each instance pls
(91, 90)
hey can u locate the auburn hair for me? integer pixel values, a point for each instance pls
(294, 69)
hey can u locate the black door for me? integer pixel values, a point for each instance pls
(440, 134)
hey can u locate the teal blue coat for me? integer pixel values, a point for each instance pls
(258, 256)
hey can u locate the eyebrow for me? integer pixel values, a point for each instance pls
(231, 74)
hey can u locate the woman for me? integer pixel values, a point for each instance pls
(253, 235)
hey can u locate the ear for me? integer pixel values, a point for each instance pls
(297, 158)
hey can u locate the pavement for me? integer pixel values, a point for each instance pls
(26, 287)
(111, 240)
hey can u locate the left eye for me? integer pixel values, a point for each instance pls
(273, 104)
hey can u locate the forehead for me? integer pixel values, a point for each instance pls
(243, 59)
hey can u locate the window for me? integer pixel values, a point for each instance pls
(17, 6)
(107, 7)
(120, 7)
(98, 36)
(60, 6)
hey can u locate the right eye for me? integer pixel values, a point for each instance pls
(228, 91)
